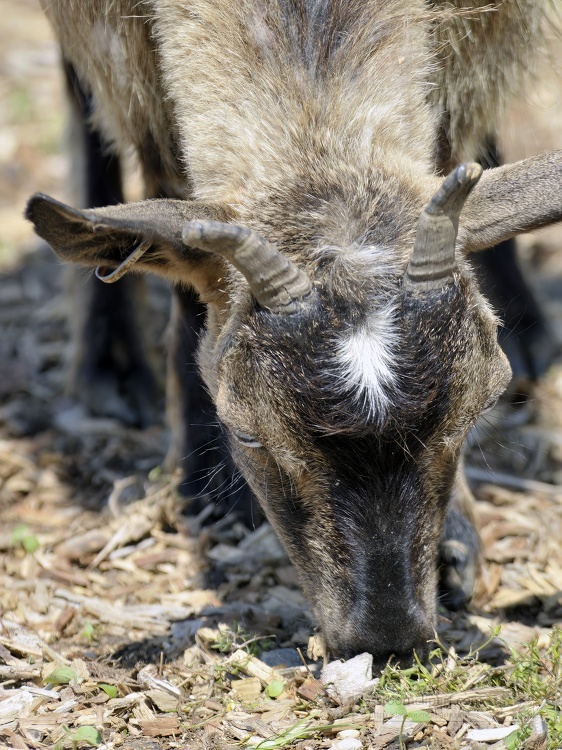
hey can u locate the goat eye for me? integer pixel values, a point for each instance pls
(248, 441)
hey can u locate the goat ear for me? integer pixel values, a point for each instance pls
(107, 236)
(511, 200)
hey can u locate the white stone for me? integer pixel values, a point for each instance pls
(350, 743)
(492, 734)
(347, 733)
(348, 681)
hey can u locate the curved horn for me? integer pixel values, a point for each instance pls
(433, 261)
(276, 283)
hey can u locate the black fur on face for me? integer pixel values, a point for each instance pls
(359, 499)
(435, 335)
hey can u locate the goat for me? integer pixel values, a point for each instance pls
(348, 349)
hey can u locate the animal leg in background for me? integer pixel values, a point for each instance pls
(110, 373)
(198, 446)
(531, 349)
(524, 336)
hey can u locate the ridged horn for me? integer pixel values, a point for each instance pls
(277, 284)
(433, 262)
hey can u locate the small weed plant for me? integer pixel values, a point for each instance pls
(89, 735)
(233, 637)
(531, 678)
(399, 709)
(23, 537)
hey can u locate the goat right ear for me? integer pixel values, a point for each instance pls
(107, 236)
(512, 199)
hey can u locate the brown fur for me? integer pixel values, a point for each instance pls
(474, 57)
(484, 52)
(109, 43)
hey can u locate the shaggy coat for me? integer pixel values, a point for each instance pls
(322, 125)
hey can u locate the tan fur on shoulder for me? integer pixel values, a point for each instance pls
(486, 51)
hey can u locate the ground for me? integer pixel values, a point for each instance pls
(125, 625)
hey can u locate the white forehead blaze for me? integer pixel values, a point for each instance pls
(366, 358)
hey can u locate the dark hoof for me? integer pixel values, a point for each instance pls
(459, 560)
(458, 567)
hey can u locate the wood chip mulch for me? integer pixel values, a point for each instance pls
(121, 616)
(125, 625)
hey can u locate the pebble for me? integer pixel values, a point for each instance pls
(349, 743)
(281, 657)
(491, 734)
(347, 681)
(347, 733)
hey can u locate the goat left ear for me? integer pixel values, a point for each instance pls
(511, 200)
(107, 237)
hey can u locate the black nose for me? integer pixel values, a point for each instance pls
(390, 635)
(401, 654)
